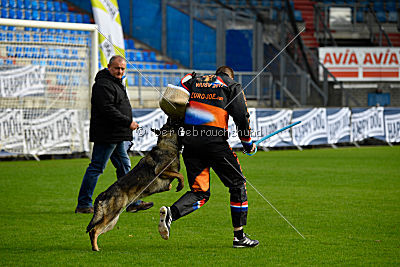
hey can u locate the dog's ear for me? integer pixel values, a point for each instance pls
(156, 131)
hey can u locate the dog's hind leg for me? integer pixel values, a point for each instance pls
(93, 234)
(106, 225)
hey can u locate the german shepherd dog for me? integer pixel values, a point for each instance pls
(153, 174)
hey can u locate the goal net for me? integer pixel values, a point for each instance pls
(46, 72)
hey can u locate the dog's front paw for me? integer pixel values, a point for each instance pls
(169, 187)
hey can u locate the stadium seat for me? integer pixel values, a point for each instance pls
(12, 14)
(4, 3)
(42, 15)
(378, 6)
(360, 16)
(86, 18)
(297, 15)
(79, 18)
(392, 16)
(20, 4)
(50, 16)
(64, 7)
(42, 5)
(138, 56)
(131, 44)
(4, 13)
(27, 37)
(12, 4)
(50, 6)
(28, 14)
(2, 36)
(277, 4)
(381, 16)
(35, 5)
(152, 56)
(391, 6)
(35, 15)
(27, 4)
(72, 18)
(20, 14)
(19, 37)
(57, 6)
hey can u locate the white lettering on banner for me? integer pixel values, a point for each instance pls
(11, 132)
(28, 80)
(366, 124)
(144, 139)
(51, 134)
(312, 127)
(339, 125)
(392, 128)
(269, 124)
(361, 63)
(233, 139)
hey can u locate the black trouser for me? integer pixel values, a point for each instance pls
(225, 163)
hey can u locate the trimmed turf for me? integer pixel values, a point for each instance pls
(344, 201)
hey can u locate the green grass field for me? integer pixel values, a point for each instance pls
(346, 202)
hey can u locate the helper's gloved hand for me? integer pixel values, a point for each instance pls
(248, 147)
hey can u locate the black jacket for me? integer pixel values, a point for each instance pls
(212, 99)
(111, 113)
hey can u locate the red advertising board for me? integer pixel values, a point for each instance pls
(361, 63)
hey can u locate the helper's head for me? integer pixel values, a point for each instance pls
(227, 70)
(117, 66)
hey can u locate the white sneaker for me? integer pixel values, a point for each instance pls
(164, 225)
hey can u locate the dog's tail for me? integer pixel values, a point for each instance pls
(98, 213)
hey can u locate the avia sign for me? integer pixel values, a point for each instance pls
(361, 63)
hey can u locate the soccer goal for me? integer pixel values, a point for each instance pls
(46, 73)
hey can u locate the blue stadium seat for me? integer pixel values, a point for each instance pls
(138, 56)
(4, 13)
(4, 3)
(297, 15)
(381, 16)
(79, 18)
(20, 14)
(131, 44)
(10, 36)
(392, 16)
(2, 36)
(378, 6)
(19, 51)
(12, 4)
(10, 51)
(50, 6)
(12, 14)
(42, 5)
(72, 18)
(391, 6)
(42, 15)
(35, 5)
(360, 16)
(19, 37)
(277, 4)
(64, 7)
(50, 16)
(27, 37)
(20, 4)
(35, 15)
(57, 6)
(86, 18)
(28, 14)
(36, 37)
(27, 4)
(152, 56)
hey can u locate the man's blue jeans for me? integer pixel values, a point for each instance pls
(102, 152)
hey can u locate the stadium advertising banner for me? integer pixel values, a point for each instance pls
(392, 125)
(366, 123)
(11, 131)
(338, 125)
(313, 127)
(111, 38)
(143, 138)
(361, 63)
(53, 134)
(233, 139)
(22, 81)
(269, 121)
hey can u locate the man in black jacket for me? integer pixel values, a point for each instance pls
(111, 125)
(212, 99)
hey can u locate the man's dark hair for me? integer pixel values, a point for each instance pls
(227, 70)
(114, 58)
